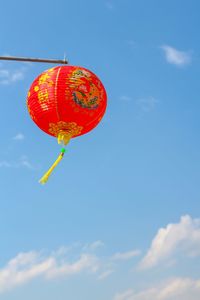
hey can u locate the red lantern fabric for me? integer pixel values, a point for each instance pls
(67, 99)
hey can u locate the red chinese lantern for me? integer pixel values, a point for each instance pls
(65, 102)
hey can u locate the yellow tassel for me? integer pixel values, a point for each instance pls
(45, 178)
(63, 138)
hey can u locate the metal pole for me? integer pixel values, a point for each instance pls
(39, 60)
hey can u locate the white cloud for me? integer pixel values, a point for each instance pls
(181, 238)
(85, 262)
(109, 5)
(126, 255)
(105, 274)
(132, 43)
(112, 261)
(124, 295)
(9, 75)
(6, 164)
(125, 98)
(23, 268)
(147, 104)
(28, 266)
(93, 246)
(62, 263)
(174, 289)
(23, 161)
(176, 57)
(19, 137)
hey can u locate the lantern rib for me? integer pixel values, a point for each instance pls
(56, 85)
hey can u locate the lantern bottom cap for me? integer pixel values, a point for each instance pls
(64, 137)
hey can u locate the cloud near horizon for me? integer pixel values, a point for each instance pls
(30, 265)
(173, 289)
(65, 262)
(180, 238)
(126, 255)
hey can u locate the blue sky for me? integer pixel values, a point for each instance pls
(119, 218)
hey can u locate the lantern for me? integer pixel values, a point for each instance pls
(65, 102)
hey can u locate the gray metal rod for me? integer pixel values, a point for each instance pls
(39, 60)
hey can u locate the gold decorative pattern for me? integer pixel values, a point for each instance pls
(45, 78)
(84, 91)
(43, 96)
(69, 127)
(36, 88)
